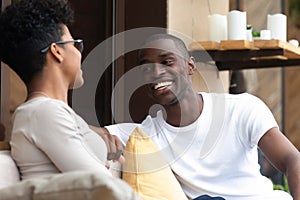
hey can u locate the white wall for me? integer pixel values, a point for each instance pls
(189, 18)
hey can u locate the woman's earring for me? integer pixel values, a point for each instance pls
(192, 58)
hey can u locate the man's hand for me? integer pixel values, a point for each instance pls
(114, 145)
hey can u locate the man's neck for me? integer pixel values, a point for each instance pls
(185, 111)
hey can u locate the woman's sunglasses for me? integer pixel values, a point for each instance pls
(78, 43)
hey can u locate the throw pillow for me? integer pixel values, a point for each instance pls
(9, 173)
(146, 170)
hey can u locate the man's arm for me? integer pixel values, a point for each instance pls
(284, 156)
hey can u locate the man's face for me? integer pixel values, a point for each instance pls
(166, 71)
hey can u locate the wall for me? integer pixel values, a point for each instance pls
(189, 18)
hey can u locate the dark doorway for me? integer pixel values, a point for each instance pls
(95, 21)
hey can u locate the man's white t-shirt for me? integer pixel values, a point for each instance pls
(217, 154)
(48, 137)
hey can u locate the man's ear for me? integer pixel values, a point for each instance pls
(56, 52)
(192, 65)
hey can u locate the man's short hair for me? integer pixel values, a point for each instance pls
(178, 42)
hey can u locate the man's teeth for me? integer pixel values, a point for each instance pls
(162, 84)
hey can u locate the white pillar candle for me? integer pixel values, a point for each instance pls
(265, 34)
(217, 27)
(294, 42)
(237, 25)
(277, 24)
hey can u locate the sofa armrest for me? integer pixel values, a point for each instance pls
(71, 186)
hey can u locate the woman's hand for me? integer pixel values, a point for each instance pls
(114, 145)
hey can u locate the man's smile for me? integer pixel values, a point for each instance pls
(162, 85)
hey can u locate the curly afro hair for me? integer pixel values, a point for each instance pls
(28, 26)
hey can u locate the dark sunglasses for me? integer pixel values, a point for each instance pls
(78, 43)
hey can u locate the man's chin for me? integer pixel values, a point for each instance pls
(165, 101)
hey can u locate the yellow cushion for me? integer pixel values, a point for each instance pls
(146, 170)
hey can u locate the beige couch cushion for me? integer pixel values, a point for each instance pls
(78, 185)
(147, 172)
(9, 174)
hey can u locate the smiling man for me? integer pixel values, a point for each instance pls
(171, 83)
(210, 140)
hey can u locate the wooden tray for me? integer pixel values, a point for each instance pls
(235, 45)
(279, 57)
(269, 44)
(204, 45)
(290, 51)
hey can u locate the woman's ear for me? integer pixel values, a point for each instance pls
(192, 65)
(56, 52)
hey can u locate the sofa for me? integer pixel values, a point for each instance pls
(76, 185)
(144, 177)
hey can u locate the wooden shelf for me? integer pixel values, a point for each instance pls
(241, 54)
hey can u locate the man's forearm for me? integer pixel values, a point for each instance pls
(293, 177)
